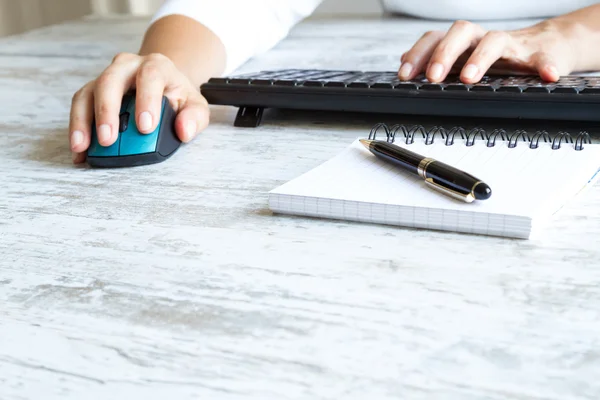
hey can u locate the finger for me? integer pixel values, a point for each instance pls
(108, 96)
(193, 117)
(462, 36)
(80, 122)
(416, 58)
(546, 67)
(490, 48)
(150, 87)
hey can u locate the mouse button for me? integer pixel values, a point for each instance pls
(124, 122)
(168, 141)
(133, 142)
(97, 150)
(126, 102)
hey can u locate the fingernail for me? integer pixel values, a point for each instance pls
(145, 121)
(470, 71)
(405, 70)
(76, 138)
(104, 133)
(553, 71)
(435, 71)
(190, 129)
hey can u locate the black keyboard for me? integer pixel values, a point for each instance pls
(572, 98)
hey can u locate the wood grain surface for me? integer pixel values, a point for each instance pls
(176, 281)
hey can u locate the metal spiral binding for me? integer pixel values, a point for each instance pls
(409, 133)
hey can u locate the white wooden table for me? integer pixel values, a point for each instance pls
(176, 281)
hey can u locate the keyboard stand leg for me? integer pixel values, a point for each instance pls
(248, 117)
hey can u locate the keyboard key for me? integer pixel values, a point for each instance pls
(342, 80)
(452, 79)
(482, 88)
(303, 75)
(386, 77)
(432, 86)
(519, 81)
(458, 87)
(566, 89)
(359, 85)
(386, 81)
(219, 80)
(406, 86)
(263, 82)
(510, 88)
(325, 76)
(335, 84)
(538, 89)
(364, 81)
(570, 79)
(382, 85)
(312, 83)
(590, 90)
(240, 81)
(275, 74)
(285, 82)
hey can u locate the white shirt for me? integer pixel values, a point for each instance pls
(251, 27)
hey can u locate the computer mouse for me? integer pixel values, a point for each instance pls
(133, 148)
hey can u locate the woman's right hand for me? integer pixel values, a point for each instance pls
(152, 76)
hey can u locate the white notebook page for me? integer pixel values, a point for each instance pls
(525, 182)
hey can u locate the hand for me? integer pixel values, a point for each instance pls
(546, 49)
(152, 76)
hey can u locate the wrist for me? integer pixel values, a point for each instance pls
(195, 50)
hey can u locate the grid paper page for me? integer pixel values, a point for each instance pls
(528, 185)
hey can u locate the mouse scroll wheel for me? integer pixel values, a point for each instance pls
(123, 122)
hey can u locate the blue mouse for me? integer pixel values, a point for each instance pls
(133, 148)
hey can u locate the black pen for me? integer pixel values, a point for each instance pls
(440, 176)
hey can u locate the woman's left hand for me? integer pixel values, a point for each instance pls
(548, 49)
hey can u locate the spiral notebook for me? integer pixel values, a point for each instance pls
(532, 177)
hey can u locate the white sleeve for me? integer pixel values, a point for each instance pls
(246, 27)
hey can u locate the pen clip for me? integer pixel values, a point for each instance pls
(468, 198)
